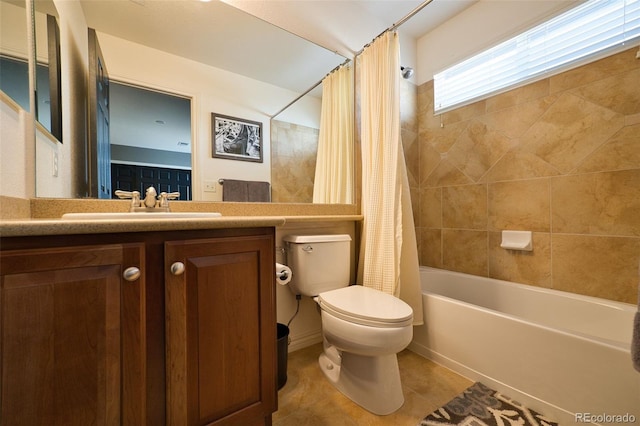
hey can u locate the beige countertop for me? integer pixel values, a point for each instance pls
(35, 227)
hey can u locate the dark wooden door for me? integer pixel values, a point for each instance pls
(221, 325)
(73, 336)
(99, 150)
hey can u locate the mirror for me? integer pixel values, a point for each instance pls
(48, 72)
(294, 145)
(14, 52)
(221, 58)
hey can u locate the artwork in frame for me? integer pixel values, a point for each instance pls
(236, 138)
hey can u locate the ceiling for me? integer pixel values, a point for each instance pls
(225, 37)
(288, 43)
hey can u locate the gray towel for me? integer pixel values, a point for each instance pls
(234, 190)
(246, 190)
(259, 192)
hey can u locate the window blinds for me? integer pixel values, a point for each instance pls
(582, 33)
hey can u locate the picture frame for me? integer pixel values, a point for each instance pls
(236, 138)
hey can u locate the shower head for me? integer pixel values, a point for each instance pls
(407, 72)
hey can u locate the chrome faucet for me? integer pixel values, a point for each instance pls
(150, 203)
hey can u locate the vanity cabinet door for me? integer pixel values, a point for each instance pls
(220, 325)
(72, 336)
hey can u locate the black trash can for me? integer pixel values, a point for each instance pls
(283, 343)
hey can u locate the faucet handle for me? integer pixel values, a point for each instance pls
(165, 197)
(133, 195)
(126, 194)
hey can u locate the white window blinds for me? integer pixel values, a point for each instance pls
(583, 32)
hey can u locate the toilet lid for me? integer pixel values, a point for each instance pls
(366, 306)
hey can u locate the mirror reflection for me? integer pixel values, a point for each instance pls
(223, 60)
(150, 138)
(48, 72)
(14, 52)
(294, 145)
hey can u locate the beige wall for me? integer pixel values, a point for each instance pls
(559, 157)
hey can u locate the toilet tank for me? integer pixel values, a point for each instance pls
(318, 262)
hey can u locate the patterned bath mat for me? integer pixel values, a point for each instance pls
(479, 405)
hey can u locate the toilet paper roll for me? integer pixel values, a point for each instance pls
(283, 274)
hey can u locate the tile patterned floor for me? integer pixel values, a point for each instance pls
(309, 399)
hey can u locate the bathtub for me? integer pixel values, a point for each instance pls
(562, 354)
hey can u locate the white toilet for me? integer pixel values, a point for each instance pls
(363, 329)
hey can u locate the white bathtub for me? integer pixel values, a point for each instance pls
(560, 353)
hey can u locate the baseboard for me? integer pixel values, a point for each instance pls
(554, 412)
(302, 341)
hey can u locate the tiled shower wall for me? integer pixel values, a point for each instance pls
(559, 157)
(293, 162)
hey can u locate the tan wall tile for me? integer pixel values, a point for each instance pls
(618, 93)
(519, 205)
(430, 208)
(465, 251)
(620, 152)
(526, 267)
(446, 174)
(518, 96)
(570, 130)
(293, 158)
(429, 160)
(441, 138)
(577, 131)
(464, 113)
(604, 267)
(514, 121)
(632, 120)
(519, 164)
(597, 203)
(603, 68)
(477, 149)
(411, 148)
(464, 207)
(431, 247)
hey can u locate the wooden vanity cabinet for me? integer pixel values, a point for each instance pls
(72, 347)
(81, 344)
(221, 331)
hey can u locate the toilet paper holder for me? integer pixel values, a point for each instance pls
(283, 274)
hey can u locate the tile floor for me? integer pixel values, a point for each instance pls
(308, 399)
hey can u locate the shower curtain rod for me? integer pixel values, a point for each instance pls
(396, 25)
(311, 88)
(391, 28)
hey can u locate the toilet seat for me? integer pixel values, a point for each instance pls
(362, 305)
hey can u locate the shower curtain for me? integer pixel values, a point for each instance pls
(388, 253)
(334, 165)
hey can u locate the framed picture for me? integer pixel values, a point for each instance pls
(236, 138)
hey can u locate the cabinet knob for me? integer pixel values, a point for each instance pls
(177, 268)
(131, 273)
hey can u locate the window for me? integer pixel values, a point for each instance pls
(585, 31)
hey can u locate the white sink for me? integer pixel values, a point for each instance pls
(145, 215)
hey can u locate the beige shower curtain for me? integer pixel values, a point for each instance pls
(388, 254)
(334, 165)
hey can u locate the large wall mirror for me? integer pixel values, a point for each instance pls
(48, 72)
(14, 52)
(218, 59)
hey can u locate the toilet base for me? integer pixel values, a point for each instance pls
(371, 382)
